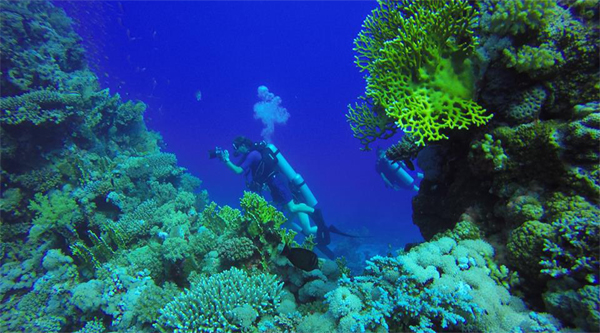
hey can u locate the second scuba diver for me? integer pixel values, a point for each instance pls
(394, 174)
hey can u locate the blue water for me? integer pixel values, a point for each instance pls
(163, 53)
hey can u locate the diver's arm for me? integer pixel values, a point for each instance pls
(229, 164)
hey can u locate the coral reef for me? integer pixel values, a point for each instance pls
(443, 285)
(103, 231)
(528, 182)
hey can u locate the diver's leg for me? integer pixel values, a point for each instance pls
(296, 227)
(302, 210)
(299, 207)
(307, 229)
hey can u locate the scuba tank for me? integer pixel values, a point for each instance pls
(401, 174)
(295, 178)
(397, 175)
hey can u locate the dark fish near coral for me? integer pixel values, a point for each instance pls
(302, 258)
(409, 164)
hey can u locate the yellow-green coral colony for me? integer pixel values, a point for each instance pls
(416, 56)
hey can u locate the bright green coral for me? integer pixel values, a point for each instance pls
(416, 56)
(221, 219)
(260, 214)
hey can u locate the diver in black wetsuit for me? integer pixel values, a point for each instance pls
(266, 166)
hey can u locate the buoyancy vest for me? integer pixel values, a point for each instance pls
(267, 166)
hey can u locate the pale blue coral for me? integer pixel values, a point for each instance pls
(446, 285)
(360, 304)
(198, 310)
(448, 306)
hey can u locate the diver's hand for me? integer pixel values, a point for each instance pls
(225, 155)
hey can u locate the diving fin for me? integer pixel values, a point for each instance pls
(322, 236)
(317, 217)
(326, 251)
(337, 231)
(304, 259)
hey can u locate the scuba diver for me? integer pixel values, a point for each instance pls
(265, 167)
(394, 174)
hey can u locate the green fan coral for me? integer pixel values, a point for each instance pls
(259, 214)
(221, 219)
(416, 55)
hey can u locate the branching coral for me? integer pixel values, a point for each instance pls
(198, 310)
(137, 222)
(260, 214)
(405, 149)
(525, 246)
(158, 165)
(221, 220)
(573, 249)
(369, 124)
(438, 286)
(416, 56)
(515, 16)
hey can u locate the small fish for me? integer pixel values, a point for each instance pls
(198, 95)
(409, 164)
(304, 259)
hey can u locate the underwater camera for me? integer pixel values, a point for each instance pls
(212, 153)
